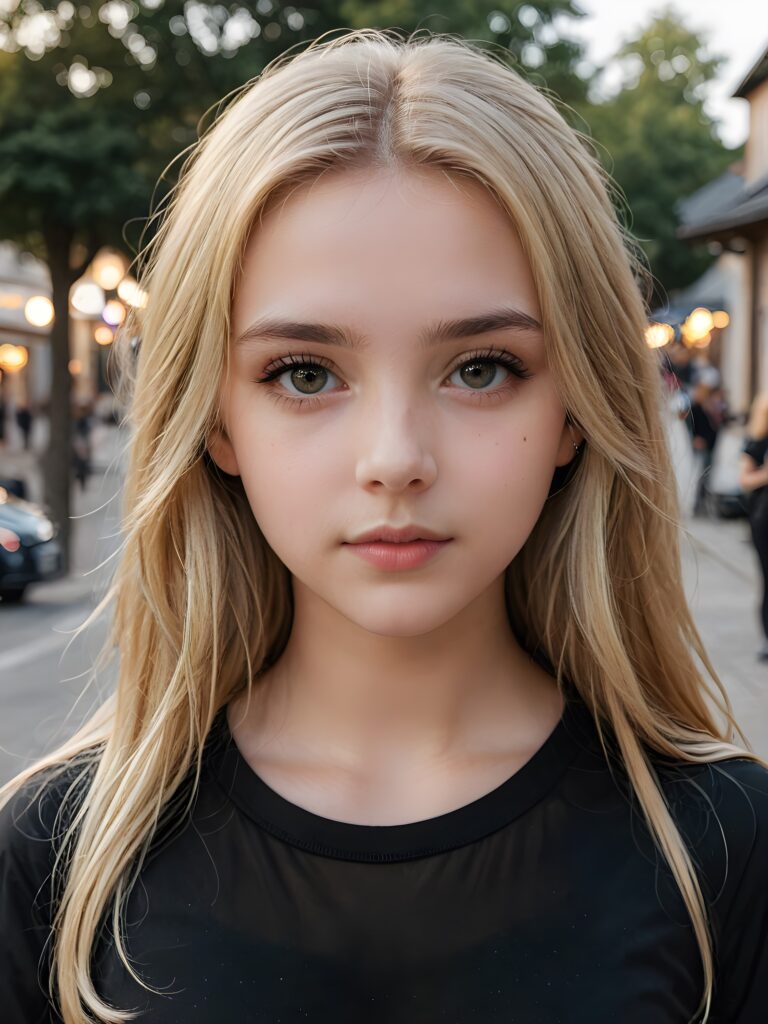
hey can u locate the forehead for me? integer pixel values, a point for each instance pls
(383, 245)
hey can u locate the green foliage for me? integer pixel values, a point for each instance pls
(151, 70)
(537, 48)
(659, 143)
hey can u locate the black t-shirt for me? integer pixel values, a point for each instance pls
(543, 901)
(756, 448)
(702, 425)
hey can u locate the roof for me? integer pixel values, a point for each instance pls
(711, 290)
(723, 206)
(756, 74)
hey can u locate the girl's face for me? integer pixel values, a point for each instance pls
(384, 399)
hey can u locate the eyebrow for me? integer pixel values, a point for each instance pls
(505, 318)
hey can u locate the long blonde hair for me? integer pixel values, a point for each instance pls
(202, 604)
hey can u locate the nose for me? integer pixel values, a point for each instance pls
(395, 451)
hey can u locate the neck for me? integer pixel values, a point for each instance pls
(342, 695)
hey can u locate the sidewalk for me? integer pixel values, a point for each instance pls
(727, 542)
(724, 586)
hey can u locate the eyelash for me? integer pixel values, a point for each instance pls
(491, 355)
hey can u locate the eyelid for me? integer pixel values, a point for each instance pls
(276, 368)
(287, 360)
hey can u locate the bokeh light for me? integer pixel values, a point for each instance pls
(39, 311)
(114, 312)
(88, 298)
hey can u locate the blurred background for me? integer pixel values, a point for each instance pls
(98, 104)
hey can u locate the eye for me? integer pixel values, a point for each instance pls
(480, 369)
(306, 374)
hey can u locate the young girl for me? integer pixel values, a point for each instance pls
(408, 725)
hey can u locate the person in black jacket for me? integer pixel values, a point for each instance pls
(754, 480)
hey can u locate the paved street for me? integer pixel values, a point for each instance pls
(41, 680)
(721, 580)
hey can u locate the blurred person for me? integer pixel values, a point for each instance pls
(82, 451)
(412, 721)
(24, 423)
(718, 407)
(704, 425)
(680, 362)
(754, 481)
(704, 372)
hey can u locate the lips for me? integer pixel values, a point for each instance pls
(397, 535)
(394, 556)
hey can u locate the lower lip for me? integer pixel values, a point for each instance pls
(398, 556)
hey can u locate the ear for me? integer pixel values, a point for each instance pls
(222, 452)
(570, 435)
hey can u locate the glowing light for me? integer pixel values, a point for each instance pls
(103, 335)
(39, 311)
(658, 335)
(13, 358)
(75, 367)
(108, 269)
(114, 312)
(88, 298)
(700, 322)
(720, 318)
(129, 292)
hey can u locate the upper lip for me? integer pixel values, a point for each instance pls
(397, 535)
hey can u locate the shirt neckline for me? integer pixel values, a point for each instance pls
(480, 817)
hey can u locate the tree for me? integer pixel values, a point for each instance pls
(659, 143)
(532, 32)
(96, 102)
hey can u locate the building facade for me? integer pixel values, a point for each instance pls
(731, 214)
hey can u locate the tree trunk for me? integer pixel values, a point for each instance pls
(57, 460)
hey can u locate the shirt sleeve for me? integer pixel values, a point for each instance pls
(741, 989)
(755, 449)
(26, 859)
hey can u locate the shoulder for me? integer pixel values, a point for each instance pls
(721, 809)
(724, 817)
(36, 816)
(734, 789)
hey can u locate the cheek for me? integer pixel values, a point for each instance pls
(513, 459)
(289, 475)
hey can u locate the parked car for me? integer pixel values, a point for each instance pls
(29, 550)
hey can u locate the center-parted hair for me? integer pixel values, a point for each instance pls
(201, 603)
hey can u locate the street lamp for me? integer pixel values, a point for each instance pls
(13, 358)
(114, 313)
(108, 269)
(103, 335)
(39, 311)
(657, 335)
(129, 292)
(88, 298)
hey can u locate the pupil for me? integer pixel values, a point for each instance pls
(310, 376)
(478, 372)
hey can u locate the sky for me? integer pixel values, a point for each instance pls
(736, 29)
